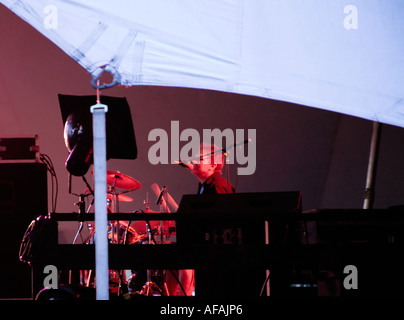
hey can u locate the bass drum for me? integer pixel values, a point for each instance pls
(159, 232)
(126, 235)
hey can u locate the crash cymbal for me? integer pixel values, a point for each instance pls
(122, 181)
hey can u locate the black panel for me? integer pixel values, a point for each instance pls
(23, 196)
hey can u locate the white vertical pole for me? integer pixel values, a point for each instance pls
(100, 195)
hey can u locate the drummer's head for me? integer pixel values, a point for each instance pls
(211, 160)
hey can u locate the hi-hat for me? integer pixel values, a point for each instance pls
(120, 197)
(110, 196)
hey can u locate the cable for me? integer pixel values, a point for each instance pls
(179, 282)
(265, 283)
(125, 238)
(26, 243)
(55, 187)
(87, 184)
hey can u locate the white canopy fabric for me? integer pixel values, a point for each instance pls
(339, 55)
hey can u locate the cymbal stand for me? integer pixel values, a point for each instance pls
(146, 202)
(81, 219)
(114, 209)
(81, 205)
(115, 228)
(149, 286)
(163, 208)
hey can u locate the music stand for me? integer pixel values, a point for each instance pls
(121, 141)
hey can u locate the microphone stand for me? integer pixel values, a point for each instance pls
(227, 173)
(81, 205)
(225, 154)
(82, 211)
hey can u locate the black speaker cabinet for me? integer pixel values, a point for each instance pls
(23, 196)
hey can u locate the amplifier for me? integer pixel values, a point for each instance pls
(23, 195)
(19, 149)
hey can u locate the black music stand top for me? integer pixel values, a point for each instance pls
(121, 141)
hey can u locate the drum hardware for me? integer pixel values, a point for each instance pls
(162, 198)
(81, 204)
(120, 197)
(128, 232)
(115, 180)
(151, 289)
(118, 180)
(146, 231)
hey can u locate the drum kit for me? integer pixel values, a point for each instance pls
(130, 232)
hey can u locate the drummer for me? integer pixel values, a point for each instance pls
(208, 171)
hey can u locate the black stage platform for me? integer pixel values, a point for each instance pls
(306, 253)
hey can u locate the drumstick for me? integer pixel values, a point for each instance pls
(170, 199)
(157, 191)
(172, 202)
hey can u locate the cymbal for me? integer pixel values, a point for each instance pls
(122, 181)
(120, 197)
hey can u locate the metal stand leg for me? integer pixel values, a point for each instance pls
(372, 166)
